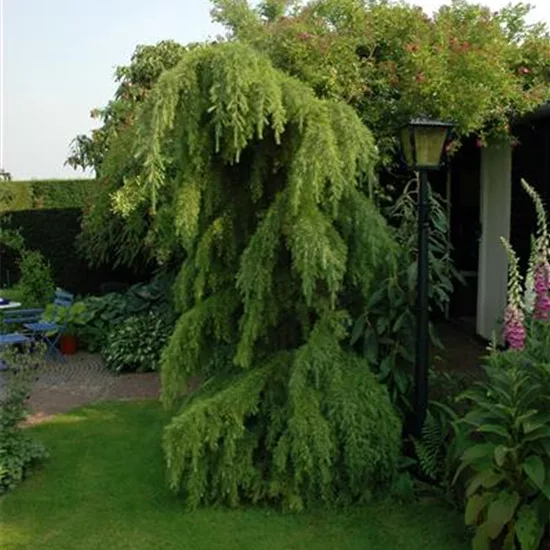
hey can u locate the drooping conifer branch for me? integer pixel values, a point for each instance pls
(260, 184)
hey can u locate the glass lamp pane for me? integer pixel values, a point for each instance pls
(406, 144)
(429, 143)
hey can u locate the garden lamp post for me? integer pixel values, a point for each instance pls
(423, 142)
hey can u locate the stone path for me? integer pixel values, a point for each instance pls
(83, 379)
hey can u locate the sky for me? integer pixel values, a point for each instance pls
(58, 59)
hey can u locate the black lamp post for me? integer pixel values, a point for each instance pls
(423, 142)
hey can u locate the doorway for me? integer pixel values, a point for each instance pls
(465, 229)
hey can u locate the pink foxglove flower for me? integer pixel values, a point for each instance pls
(539, 268)
(514, 327)
(542, 289)
(514, 317)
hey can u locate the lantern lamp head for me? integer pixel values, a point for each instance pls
(423, 141)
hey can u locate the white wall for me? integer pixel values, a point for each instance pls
(495, 209)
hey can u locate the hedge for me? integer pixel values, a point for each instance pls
(48, 214)
(47, 194)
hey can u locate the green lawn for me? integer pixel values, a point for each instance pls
(104, 488)
(13, 294)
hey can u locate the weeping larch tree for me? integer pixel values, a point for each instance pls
(265, 188)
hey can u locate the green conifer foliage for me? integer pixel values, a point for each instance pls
(264, 187)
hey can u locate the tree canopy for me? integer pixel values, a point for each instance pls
(266, 189)
(391, 61)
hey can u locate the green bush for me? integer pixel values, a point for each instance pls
(36, 284)
(47, 215)
(253, 447)
(18, 451)
(506, 464)
(137, 343)
(106, 313)
(385, 331)
(47, 194)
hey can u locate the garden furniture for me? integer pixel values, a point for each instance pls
(50, 331)
(14, 338)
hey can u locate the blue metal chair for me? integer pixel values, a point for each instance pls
(18, 318)
(15, 317)
(50, 331)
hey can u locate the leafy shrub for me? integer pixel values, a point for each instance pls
(73, 317)
(18, 451)
(47, 194)
(386, 331)
(36, 283)
(106, 313)
(506, 463)
(269, 244)
(47, 215)
(9, 236)
(507, 460)
(137, 343)
(254, 445)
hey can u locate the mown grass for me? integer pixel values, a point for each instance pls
(14, 294)
(104, 488)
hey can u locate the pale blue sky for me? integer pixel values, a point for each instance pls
(59, 57)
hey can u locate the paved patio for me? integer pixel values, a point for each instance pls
(83, 379)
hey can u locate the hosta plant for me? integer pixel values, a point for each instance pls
(506, 465)
(137, 342)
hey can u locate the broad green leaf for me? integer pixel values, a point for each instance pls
(486, 479)
(481, 539)
(358, 330)
(523, 419)
(501, 452)
(534, 468)
(494, 429)
(476, 504)
(510, 541)
(477, 452)
(529, 531)
(501, 511)
(541, 433)
(545, 489)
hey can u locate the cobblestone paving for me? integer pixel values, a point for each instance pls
(83, 379)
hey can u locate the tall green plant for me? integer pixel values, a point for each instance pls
(105, 237)
(507, 462)
(385, 330)
(36, 282)
(262, 185)
(507, 428)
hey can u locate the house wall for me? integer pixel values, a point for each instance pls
(531, 161)
(487, 199)
(495, 216)
(465, 230)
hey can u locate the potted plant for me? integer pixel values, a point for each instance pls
(70, 318)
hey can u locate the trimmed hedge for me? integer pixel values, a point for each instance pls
(47, 194)
(48, 213)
